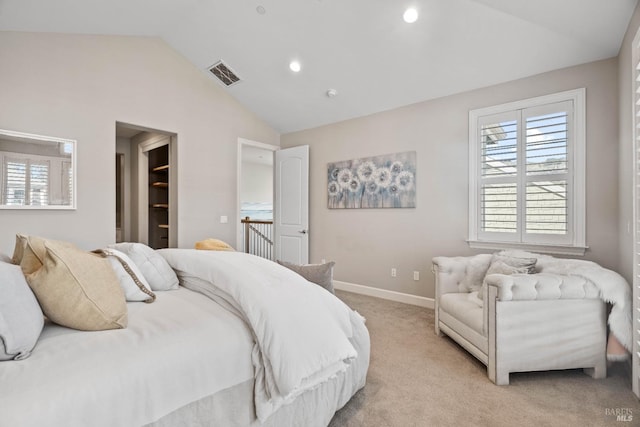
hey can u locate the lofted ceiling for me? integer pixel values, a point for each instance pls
(360, 48)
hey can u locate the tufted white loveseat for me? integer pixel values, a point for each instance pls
(525, 322)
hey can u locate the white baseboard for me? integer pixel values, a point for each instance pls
(385, 294)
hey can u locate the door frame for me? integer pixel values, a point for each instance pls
(156, 139)
(243, 142)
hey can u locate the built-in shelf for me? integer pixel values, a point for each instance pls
(159, 205)
(163, 168)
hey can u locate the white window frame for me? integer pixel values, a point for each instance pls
(576, 163)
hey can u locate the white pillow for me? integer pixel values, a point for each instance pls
(154, 268)
(132, 281)
(474, 275)
(5, 258)
(21, 319)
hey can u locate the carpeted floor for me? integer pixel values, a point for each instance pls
(419, 379)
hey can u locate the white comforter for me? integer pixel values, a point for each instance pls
(177, 350)
(301, 331)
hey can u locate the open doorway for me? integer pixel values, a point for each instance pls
(146, 190)
(255, 197)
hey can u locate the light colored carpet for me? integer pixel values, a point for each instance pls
(419, 379)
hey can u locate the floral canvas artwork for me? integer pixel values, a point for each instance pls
(387, 181)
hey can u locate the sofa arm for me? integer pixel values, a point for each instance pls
(449, 272)
(541, 286)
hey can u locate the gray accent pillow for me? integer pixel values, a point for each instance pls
(320, 274)
(21, 319)
(527, 263)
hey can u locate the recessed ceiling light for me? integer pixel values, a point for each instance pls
(295, 66)
(261, 10)
(410, 15)
(331, 93)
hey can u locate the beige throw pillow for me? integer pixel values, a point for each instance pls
(29, 252)
(78, 289)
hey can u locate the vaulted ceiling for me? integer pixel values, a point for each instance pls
(362, 49)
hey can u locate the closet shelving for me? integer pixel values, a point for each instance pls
(159, 197)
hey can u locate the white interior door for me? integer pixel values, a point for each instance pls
(291, 216)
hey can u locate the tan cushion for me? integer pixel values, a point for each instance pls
(213, 245)
(29, 252)
(78, 289)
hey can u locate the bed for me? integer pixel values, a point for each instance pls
(190, 359)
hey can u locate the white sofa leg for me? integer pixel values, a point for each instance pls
(438, 331)
(502, 378)
(498, 377)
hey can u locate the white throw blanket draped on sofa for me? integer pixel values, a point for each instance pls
(302, 331)
(613, 289)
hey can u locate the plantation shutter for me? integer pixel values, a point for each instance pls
(15, 182)
(38, 183)
(498, 180)
(26, 182)
(524, 174)
(635, 371)
(547, 147)
(67, 183)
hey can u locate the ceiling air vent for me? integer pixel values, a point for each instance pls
(224, 73)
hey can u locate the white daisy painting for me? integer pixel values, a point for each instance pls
(387, 181)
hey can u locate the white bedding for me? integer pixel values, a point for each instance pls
(132, 376)
(302, 331)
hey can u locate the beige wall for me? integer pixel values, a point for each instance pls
(77, 87)
(626, 155)
(366, 243)
(257, 183)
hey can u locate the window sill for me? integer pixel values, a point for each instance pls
(531, 247)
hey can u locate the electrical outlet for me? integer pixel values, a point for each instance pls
(224, 219)
(416, 275)
(323, 261)
(394, 273)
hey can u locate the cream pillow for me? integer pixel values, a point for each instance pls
(78, 289)
(153, 266)
(474, 274)
(131, 279)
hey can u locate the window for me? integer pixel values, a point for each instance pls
(26, 182)
(526, 169)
